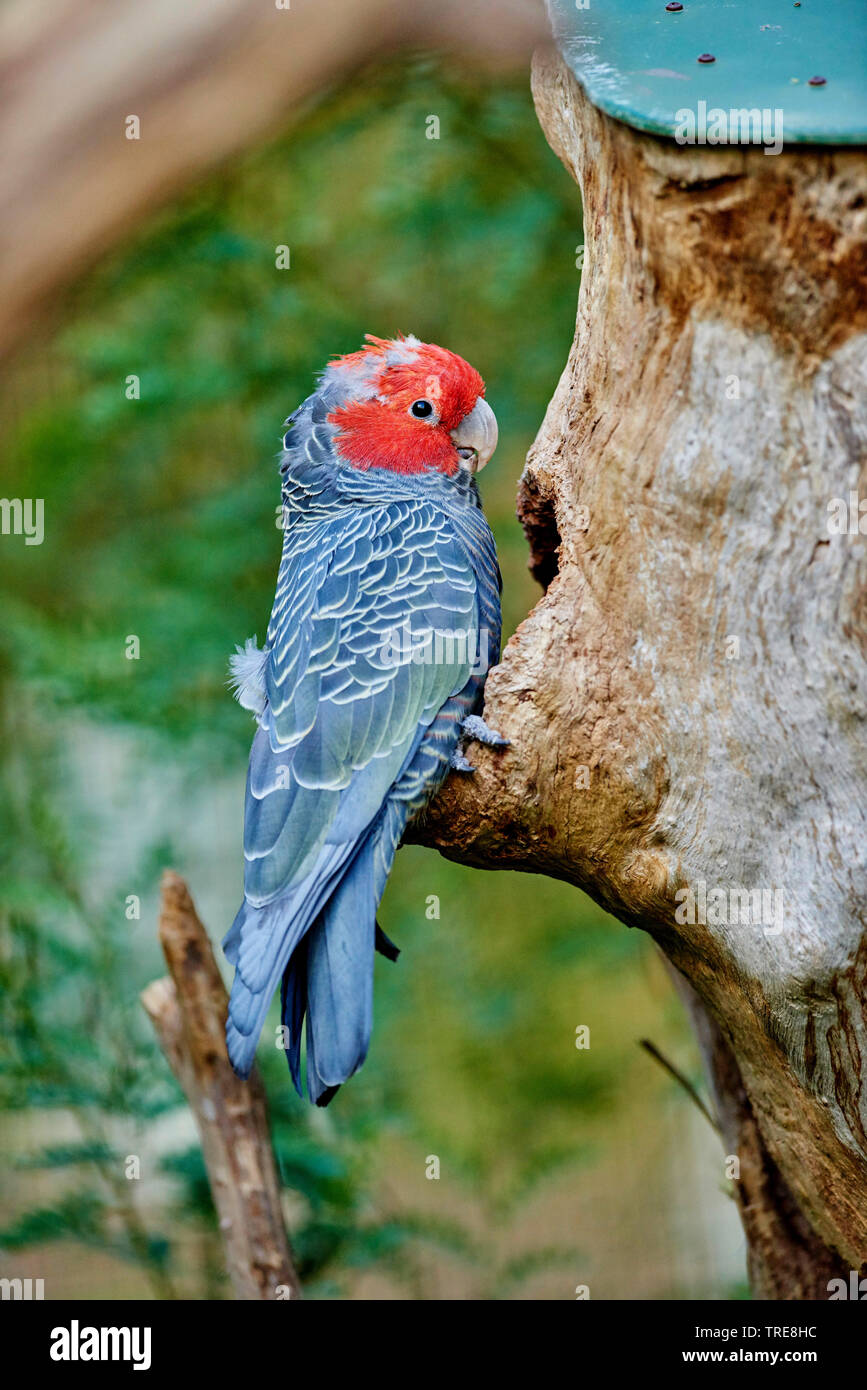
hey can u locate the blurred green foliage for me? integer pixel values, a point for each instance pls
(160, 522)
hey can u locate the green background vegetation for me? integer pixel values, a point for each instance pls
(558, 1166)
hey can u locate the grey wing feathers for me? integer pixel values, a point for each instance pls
(347, 706)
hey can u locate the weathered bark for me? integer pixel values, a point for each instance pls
(677, 498)
(785, 1256)
(188, 1013)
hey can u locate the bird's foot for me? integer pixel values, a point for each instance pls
(459, 763)
(475, 728)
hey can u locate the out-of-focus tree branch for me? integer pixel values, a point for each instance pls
(205, 78)
(188, 1013)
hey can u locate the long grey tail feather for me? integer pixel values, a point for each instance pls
(293, 1006)
(326, 973)
(340, 948)
(249, 1005)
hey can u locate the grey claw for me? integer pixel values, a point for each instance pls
(474, 727)
(460, 763)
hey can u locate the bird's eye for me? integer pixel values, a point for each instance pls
(421, 409)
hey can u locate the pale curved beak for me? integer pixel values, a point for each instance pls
(476, 436)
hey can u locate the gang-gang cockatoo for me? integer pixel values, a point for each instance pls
(386, 617)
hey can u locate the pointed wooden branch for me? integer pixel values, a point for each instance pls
(188, 1012)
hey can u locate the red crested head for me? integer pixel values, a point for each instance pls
(410, 407)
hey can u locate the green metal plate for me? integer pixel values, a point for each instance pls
(638, 61)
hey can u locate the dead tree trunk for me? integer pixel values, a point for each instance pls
(687, 700)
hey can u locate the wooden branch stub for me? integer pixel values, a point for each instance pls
(188, 1013)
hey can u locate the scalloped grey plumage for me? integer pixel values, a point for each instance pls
(350, 743)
